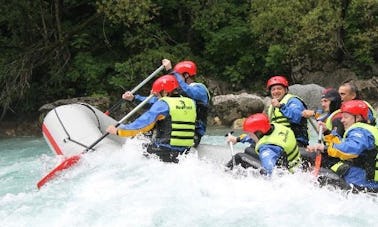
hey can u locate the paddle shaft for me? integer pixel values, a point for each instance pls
(147, 79)
(318, 158)
(232, 150)
(138, 107)
(313, 125)
(152, 75)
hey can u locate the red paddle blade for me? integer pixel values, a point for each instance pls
(62, 166)
(318, 161)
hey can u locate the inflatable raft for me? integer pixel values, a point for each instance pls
(70, 129)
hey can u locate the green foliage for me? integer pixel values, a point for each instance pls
(126, 11)
(133, 70)
(87, 73)
(274, 57)
(362, 31)
(50, 51)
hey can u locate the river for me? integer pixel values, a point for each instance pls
(123, 188)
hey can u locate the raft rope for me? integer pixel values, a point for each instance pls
(90, 107)
(68, 138)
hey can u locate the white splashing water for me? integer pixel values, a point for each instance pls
(124, 188)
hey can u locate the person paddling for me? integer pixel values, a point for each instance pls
(276, 145)
(357, 150)
(172, 117)
(185, 72)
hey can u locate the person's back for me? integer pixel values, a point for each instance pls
(172, 117)
(185, 72)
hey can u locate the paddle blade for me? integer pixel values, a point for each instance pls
(318, 161)
(62, 166)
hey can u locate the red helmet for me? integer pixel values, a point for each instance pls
(186, 67)
(166, 83)
(355, 107)
(274, 80)
(257, 122)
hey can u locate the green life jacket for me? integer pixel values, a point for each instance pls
(284, 137)
(181, 122)
(374, 113)
(368, 160)
(329, 119)
(276, 116)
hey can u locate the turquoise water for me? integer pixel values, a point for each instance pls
(123, 188)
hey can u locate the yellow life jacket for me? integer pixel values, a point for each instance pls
(329, 119)
(276, 116)
(182, 113)
(374, 113)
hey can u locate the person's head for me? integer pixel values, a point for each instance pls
(330, 100)
(278, 86)
(187, 69)
(165, 85)
(257, 125)
(353, 111)
(348, 91)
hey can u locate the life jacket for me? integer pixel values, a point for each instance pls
(374, 113)
(330, 118)
(276, 116)
(284, 137)
(368, 160)
(177, 129)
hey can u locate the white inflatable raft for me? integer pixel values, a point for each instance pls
(71, 129)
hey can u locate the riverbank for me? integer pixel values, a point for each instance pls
(20, 127)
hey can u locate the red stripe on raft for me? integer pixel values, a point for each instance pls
(64, 165)
(53, 143)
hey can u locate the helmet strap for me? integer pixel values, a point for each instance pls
(259, 134)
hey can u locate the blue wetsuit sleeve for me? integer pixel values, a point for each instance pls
(244, 138)
(158, 111)
(140, 98)
(196, 91)
(293, 110)
(356, 141)
(269, 155)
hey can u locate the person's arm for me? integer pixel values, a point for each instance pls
(146, 121)
(269, 155)
(357, 141)
(140, 98)
(129, 96)
(293, 110)
(196, 92)
(243, 138)
(338, 126)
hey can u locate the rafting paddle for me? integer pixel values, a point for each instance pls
(231, 149)
(67, 163)
(318, 158)
(152, 75)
